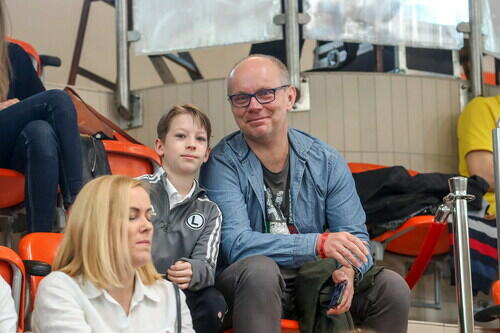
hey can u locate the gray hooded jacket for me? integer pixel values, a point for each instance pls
(189, 232)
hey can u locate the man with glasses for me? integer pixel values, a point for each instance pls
(279, 189)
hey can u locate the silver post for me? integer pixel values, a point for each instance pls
(476, 47)
(458, 188)
(496, 167)
(122, 59)
(292, 41)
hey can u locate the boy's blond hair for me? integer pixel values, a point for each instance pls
(166, 120)
(95, 243)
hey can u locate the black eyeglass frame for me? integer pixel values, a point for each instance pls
(230, 97)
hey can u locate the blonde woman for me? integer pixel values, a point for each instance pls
(103, 279)
(39, 135)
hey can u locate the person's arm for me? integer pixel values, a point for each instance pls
(26, 82)
(475, 145)
(57, 308)
(8, 315)
(222, 181)
(480, 163)
(345, 218)
(204, 256)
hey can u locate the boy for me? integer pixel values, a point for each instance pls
(186, 223)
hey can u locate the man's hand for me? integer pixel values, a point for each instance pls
(7, 103)
(347, 249)
(180, 273)
(345, 273)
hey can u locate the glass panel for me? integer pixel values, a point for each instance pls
(171, 25)
(417, 23)
(491, 26)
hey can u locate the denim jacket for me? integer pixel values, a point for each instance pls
(323, 196)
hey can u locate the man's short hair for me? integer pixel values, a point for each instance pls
(285, 75)
(166, 120)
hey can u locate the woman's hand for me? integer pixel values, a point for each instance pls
(181, 274)
(7, 103)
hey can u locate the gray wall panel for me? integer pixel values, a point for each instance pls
(368, 117)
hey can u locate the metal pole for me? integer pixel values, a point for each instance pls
(458, 188)
(476, 47)
(292, 40)
(122, 59)
(496, 167)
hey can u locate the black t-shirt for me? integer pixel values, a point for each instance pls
(279, 219)
(24, 81)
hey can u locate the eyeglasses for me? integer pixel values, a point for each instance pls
(263, 96)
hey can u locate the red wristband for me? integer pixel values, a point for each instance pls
(321, 245)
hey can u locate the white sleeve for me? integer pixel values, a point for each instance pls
(57, 307)
(8, 315)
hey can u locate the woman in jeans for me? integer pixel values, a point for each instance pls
(38, 135)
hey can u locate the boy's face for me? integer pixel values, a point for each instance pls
(184, 148)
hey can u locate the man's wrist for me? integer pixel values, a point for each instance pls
(320, 245)
(356, 273)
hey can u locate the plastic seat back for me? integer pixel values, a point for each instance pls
(12, 270)
(39, 246)
(28, 48)
(14, 181)
(130, 159)
(10, 200)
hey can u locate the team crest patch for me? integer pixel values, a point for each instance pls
(195, 221)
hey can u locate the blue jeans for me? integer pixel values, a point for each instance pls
(39, 137)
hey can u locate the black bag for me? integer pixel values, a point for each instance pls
(94, 158)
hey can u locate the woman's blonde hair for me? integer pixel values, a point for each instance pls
(4, 56)
(95, 244)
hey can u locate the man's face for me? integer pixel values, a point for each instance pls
(261, 121)
(185, 146)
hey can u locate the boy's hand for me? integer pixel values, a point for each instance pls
(180, 273)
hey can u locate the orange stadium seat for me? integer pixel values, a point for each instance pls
(11, 200)
(420, 236)
(38, 247)
(287, 326)
(130, 159)
(12, 270)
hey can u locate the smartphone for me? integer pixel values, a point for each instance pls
(337, 294)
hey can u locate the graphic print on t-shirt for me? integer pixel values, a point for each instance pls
(275, 217)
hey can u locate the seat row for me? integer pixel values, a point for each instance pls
(23, 270)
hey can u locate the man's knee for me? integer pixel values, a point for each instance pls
(256, 277)
(393, 289)
(261, 273)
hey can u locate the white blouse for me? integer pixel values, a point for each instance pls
(8, 315)
(66, 304)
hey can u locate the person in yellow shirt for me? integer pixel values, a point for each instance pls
(475, 143)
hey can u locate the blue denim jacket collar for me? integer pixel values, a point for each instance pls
(300, 146)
